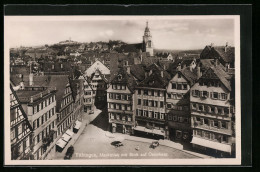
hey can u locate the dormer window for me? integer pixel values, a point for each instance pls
(119, 77)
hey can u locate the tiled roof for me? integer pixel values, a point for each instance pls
(127, 79)
(138, 71)
(218, 72)
(155, 79)
(191, 76)
(58, 81)
(210, 52)
(131, 47)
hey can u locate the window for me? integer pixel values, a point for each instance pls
(169, 96)
(193, 106)
(196, 93)
(179, 75)
(224, 125)
(139, 102)
(180, 119)
(179, 87)
(152, 92)
(150, 114)
(145, 92)
(207, 135)
(129, 118)
(169, 117)
(123, 118)
(145, 102)
(119, 87)
(185, 87)
(139, 91)
(215, 95)
(118, 117)
(123, 87)
(145, 113)
(155, 104)
(174, 86)
(226, 111)
(156, 115)
(206, 121)
(223, 96)
(224, 139)
(174, 118)
(215, 124)
(112, 116)
(185, 120)
(162, 116)
(199, 133)
(201, 108)
(204, 94)
(169, 105)
(161, 104)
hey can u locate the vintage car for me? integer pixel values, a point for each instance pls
(154, 144)
(69, 152)
(117, 143)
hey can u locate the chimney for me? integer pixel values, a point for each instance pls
(150, 72)
(226, 47)
(162, 73)
(30, 79)
(215, 62)
(179, 67)
(146, 74)
(128, 69)
(198, 72)
(141, 58)
(191, 68)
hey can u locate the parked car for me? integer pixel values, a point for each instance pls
(69, 152)
(117, 143)
(91, 112)
(154, 144)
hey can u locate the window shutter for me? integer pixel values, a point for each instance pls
(211, 94)
(219, 95)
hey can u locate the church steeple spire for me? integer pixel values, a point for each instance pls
(147, 40)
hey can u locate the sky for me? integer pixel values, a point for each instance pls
(175, 34)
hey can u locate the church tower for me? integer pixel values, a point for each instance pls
(147, 41)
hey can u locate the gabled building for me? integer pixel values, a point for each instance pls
(95, 90)
(213, 111)
(120, 101)
(21, 131)
(149, 103)
(178, 104)
(39, 103)
(97, 65)
(225, 54)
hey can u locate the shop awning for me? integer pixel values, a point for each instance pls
(153, 131)
(78, 124)
(158, 132)
(61, 143)
(65, 137)
(70, 133)
(211, 144)
(139, 128)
